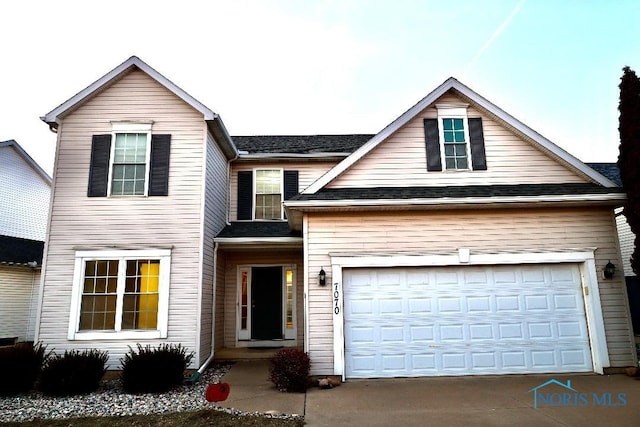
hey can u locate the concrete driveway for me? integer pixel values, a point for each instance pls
(566, 400)
(480, 401)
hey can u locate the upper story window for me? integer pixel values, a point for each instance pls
(268, 193)
(131, 161)
(129, 170)
(454, 142)
(262, 191)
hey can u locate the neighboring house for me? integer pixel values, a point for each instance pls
(24, 207)
(626, 237)
(457, 241)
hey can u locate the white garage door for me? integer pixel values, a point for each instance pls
(464, 321)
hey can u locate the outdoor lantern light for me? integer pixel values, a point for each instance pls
(322, 276)
(609, 270)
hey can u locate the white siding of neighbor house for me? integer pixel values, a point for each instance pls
(626, 238)
(79, 222)
(19, 287)
(25, 197)
(443, 232)
(308, 172)
(215, 210)
(257, 258)
(401, 160)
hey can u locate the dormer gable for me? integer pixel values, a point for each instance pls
(454, 136)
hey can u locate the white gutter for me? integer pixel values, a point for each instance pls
(256, 240)
(350, 203)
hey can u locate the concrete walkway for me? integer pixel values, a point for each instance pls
(251, 391)
(612, 400)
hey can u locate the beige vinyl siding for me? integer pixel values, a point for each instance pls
(308, 172)
(401, 159)
(490, 231)
(257, 258)
(19, 288)
(220, 296)
(79, 222)
(215, 211)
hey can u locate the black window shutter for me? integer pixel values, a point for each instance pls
(476, 137)
(290, 184)
(99, 166)
(159, 167)
(245, 195)
(432, 141)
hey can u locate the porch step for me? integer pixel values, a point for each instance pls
(245, 353)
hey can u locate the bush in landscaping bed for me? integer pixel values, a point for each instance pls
(20, 366)
(154, 370)
(73, 373)
(290, 370)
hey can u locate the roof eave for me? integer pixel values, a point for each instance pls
(54, 117)
(296, 208)
(294, 156)
(221, 135)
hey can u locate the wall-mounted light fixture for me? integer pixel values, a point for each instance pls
(609, 270)
(322, 277)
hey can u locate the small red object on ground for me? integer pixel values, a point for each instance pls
(217, 392)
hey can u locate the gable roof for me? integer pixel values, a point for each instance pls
(453, 84)
(27, 158)
(54, 117)
(300, 144)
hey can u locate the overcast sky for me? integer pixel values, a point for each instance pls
(325, 67)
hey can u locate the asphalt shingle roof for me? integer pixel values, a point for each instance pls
(609, 170)
(457, 192)
(258, 229)
(301, 144)
(20, 251)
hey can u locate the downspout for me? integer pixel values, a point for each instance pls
(196, 375)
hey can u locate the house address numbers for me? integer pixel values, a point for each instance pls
(336, 297)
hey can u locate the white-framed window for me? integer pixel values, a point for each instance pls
(268, 191)
(130, 154)
(454, 137)
(120, 294)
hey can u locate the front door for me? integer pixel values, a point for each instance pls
(266, 303)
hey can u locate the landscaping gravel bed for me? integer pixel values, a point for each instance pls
(111, 400)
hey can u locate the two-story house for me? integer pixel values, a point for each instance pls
(456, 241)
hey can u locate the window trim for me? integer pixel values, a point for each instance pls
(163, 255)
(130, 127)
(453, 111)
(255, 194)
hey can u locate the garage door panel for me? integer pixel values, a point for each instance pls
(509, 319)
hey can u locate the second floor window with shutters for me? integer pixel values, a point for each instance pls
(129, 170)
(455, 143)
(131, 161)
(268, 191)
